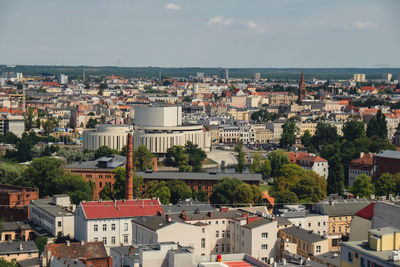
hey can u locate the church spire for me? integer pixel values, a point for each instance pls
(302, 89)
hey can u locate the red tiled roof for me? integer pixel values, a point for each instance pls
(367, 212)
(88, 250)
(121, 209)
(238, 264)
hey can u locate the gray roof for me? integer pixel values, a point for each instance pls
(46, 204)
(189, 207)
(14, 226)
(257, 223)
(112, 163)
(388, 154)
(14, 247)
(153, 222)
(330, 257)
(378, 232)
(283, 221)
(198, 176)
(303, 234)
(363, 247)
(349, 207)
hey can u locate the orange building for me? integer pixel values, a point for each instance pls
(14, 201)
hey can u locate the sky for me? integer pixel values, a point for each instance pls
(201, 33)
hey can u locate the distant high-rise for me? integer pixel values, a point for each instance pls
(63, 79)
(387, 77)
(359, 77)
(257, 77)
(199, 75)
(224, 74)
(302, 89)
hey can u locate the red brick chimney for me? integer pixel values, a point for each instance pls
(129, 169)
(155, 164)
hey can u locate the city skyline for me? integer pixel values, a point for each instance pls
(309, 34)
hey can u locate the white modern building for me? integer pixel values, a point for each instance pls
(110, 221)
(63, 79)
(111, 135)
(160, 128)
(55, 214)
(12, 124)
(219, 232)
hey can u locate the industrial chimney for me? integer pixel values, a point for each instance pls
(129, 168)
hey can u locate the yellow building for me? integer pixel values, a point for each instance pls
(382, 249)
(264, 136)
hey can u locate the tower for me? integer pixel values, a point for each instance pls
(302, 89)
(129, 169)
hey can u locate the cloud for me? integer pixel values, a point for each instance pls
(361, 25)
(250, 24)
(172, 6)
(219, 20)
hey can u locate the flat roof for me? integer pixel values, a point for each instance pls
(199, 176)
(388, 154)
(303, 234)
(363, 247)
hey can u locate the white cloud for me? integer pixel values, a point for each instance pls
(251, 24)
(219, 20)
(172, 6)
(361, 25)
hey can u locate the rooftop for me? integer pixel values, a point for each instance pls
(76, 250)
(363, 247)
(18, 247)
(388, 154)
(47, 205)
(199, 176)
(303, 234)
(343, 207)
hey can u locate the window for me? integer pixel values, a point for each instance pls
(228, 233)
(319, 223)
(216, 222)
(95, 239)
(125, 227)
(113, 240)
(113, 226)
(203, 243)
(125, 239)
(309, 224)
(105, 240)
(223, 233)
(324, 223)
(333, 229)
(216, 248)
(362, 262)
(318, 250)
(340, 229)
(217, 234)
(59, 224)
(223, 248)
(299, 224)
(95, 228)
(104, 227)
(350, 257)
(264, 235)
(242, 232)
(203, 230)
(100, 184)
(264, 259)
(228, 248)
(264, 247)
(242, 243)
(356, 255)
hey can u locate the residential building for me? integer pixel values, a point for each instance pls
(88, 253)
(303, 242)
(386, 161)
(14, 201)
(20, 252)
(310, 162)
(361, 223)
(340, 212)
(11, 231)
(12, 124)
(363, 165)
(54, 214)
(110, 221)
(381, 249)
(359, 77)
(220, 232)
(317, 223)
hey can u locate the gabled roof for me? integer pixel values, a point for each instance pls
(87, 250)
(367, 212)
(121, 209)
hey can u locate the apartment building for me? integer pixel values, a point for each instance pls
(363, 165)
(220, 232)
(310, 162)
(54, 214)
(110, 221)
(381, 249)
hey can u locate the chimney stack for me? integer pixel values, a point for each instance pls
(155, 164)
(129, 168)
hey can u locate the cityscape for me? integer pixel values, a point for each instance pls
(230, 137)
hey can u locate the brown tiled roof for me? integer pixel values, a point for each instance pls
(89, 250)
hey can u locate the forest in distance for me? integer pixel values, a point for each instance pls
(76, 72)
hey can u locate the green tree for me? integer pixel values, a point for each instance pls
(119, 185)
(335, 176)
(241, 158)
(200, 195)
(288, 136)
(196, 156)
(353, 130)
(106, 193)
(29, 119)
(324, 133)
(143, 158)
(277, 158)
(362, 186)
(257, 195)
(260, 165)
(179, 190)
(286, 197)
(9, 138)
(177, 157)
(11, 173)
(91, 124)
(49, 125)
(24, 148)
(306, 139)
(243, 194)
(385, 185)
(103, 151)
(12, 263)
(223, 191)
(377, 126)
(263, 116)
(164, 194)
(41, 243)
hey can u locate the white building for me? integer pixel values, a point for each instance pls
(111, 135)
(160, 128)
(63, 79)
(314, 163)
(12, 124)
(54, 214)
(110, 221)
(219, 232)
